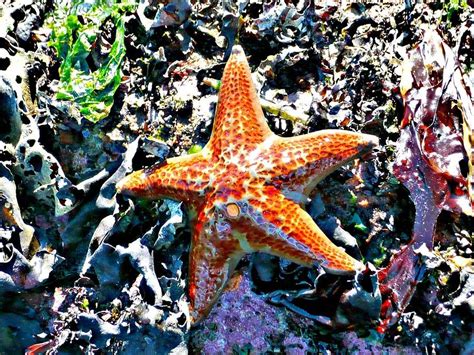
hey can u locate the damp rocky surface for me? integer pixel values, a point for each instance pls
(91, 90)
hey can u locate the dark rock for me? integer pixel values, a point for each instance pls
(10, 120)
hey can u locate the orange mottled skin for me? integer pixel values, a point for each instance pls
(245, 189)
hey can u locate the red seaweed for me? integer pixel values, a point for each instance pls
(431, 160)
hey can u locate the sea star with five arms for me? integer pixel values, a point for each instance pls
(245, 190)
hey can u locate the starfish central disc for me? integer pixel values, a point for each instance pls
(246, 187)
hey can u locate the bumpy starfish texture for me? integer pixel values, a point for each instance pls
(245, 189)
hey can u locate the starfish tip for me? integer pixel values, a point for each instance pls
(132, 184)
(373, 140)
(359, 266)
(238, 53)
(237, 49)
(368, 142)
(119, 187)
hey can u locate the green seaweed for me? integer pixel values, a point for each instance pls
(358, 224)
(454, 8)
(352, 198)
(194, 149)
(74, 33)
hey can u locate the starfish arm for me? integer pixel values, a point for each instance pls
(278, 226)
(213, 257)
(181, 178)
(297, 164)
(239, 120)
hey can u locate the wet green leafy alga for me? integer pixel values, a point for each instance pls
(76, 25)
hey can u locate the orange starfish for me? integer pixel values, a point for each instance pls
(245, 189)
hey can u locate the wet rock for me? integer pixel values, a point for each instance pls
(10, 120)
(40, 171)
(17, 331)
(24, 28)
(17, 273)
(10, 213)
